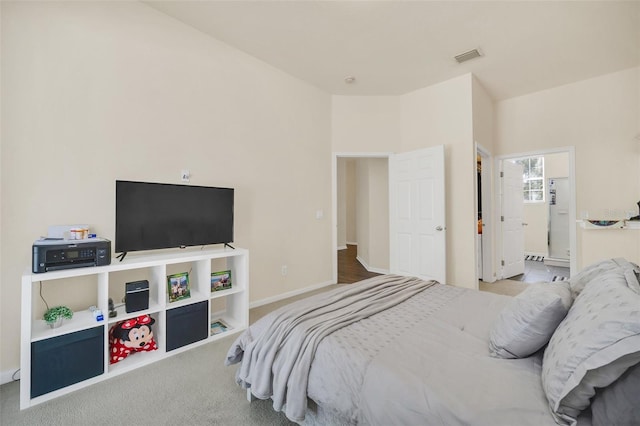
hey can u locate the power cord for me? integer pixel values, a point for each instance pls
(42, 297)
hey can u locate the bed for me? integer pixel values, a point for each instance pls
(400, 350)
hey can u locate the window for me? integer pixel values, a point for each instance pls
(532, 178)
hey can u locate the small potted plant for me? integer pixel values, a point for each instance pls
(54, 316)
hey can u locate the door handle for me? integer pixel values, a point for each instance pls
(524, 224)
(439, 228)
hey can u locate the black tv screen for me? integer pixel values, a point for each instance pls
(157, 215)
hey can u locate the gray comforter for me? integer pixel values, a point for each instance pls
(422, 358)
(287, 343)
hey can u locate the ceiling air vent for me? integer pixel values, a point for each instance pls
(475, 53)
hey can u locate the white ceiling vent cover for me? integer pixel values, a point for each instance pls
(466, 56)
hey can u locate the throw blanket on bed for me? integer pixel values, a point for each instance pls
(288, 341)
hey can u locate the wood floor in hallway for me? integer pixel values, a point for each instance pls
(349, 269)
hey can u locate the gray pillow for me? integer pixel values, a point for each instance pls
(582, 278)
(527, 322)
(633, 279)
(617, 404)
(593, 346)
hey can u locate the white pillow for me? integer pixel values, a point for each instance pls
(593, 346)
(527, 322)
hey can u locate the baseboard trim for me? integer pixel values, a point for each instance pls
(530, 253)
(371, 269)
(351, 244)
(342, 248)
(288, 294)
(7, 376)
(550, 261)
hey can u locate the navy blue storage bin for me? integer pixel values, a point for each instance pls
(64, 360)
(187, 324)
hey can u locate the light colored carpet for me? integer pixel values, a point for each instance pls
(191, 388)
(508, 287)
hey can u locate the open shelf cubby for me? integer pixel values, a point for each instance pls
(178, 325)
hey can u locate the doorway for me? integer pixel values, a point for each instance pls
(484, 236)
(406, 233)
(368, 250)
(350, 270)
(548, 218)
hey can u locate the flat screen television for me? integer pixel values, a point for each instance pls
(157, 215)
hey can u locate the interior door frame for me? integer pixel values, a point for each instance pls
(573, 246)
(334, 200)
(512, 225)
(488, 270)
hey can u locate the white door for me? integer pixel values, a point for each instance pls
(417, 235)
(512, 215)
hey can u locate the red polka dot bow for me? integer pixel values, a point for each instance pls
(141, 320)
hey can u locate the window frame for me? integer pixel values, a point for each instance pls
(527, 180)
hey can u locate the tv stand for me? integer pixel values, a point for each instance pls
(56, 361)
(121, 256)
(229, 245)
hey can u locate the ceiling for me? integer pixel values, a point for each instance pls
(394, 47)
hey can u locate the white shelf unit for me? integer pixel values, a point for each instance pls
(155, 268)
(619, 224)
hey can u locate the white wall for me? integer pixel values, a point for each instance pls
(599, 117)
(483, 134)
(351, 236)
(341, 207)
(437, 115)
(536, 215)
(365, 123)
(483, 116)
(98, 91)
(346, 201)
(556, 165)
(379, 214)
(362, 210)
(372, 213)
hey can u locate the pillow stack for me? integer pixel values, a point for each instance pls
(591, 326)
(597, 342)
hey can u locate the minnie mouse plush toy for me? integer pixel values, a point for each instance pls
(132, 335)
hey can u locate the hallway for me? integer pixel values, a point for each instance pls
(349, 269)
